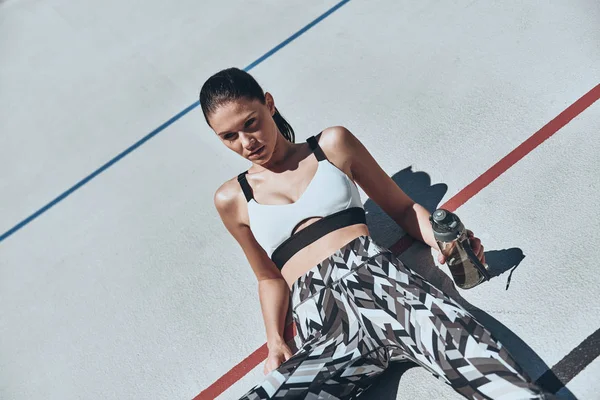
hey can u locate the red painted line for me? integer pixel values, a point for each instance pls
(250, 362)
(234, 374)
(523, 149)
(239, 371)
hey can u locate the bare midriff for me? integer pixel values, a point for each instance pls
(314, 253)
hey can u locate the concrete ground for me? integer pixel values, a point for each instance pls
(118, 279)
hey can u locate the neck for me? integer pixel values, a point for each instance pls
(283, 150)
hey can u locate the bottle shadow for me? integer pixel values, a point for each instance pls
(386, 232)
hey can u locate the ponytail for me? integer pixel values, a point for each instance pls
(284, 127)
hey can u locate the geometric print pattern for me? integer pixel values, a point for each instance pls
(360, 309)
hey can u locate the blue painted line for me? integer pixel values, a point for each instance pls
(295, 35)
(161, 128)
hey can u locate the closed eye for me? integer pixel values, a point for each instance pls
(249, 122)
(231, 135)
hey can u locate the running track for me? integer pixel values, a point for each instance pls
(584, 357)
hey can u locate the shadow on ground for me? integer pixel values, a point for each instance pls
(386, 232)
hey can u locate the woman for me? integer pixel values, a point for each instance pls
(298, 217)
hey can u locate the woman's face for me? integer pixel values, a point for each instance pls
(247, 127)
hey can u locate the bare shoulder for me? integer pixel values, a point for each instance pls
(228, 201)
(339, 145)
(336, 137)
(231, 204)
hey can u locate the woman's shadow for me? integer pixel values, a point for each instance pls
(385, 231)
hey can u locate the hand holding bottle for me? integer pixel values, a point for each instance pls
(475, 244)
(460, 249)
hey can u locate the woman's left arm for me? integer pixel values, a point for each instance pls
(379, 186)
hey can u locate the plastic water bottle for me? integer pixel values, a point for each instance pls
(453, 241)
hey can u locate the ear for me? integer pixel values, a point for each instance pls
(270, 103)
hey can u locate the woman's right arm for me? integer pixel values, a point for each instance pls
(272, 288)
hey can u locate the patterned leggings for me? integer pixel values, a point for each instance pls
(360, 309)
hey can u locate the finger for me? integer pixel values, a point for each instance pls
(270, 365)
(477, 247)
(274, 364)
(470, 233)
(441, 258)
(481, 255)
(480, 252)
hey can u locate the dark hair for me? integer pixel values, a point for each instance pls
(233, 84)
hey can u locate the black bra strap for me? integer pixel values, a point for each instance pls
(314, 145)
(245, 185)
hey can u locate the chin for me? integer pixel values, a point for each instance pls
(265, 158)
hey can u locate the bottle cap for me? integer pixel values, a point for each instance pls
(440, 216)
(446, 225)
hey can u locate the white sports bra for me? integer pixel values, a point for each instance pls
(331, 194)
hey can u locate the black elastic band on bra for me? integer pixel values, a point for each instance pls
(245, 185)
(314, 145)
(316, 230)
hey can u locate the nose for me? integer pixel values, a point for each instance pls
(248, 141)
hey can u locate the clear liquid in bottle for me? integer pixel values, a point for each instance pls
(452, 239)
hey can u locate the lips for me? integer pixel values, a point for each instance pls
(255, 152)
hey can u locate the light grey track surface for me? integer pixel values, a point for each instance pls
(132, 288)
